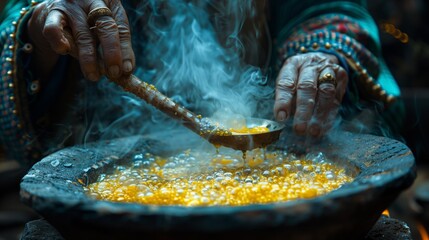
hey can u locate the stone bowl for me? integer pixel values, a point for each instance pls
(383, 168)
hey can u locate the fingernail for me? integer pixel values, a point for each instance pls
(64, 41)
(300, 128)
(114, 71)
(127, 66)
(314, 131)
(281, 116)
(92, 77)
(64, 48)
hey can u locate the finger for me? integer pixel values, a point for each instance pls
(86, 45)
(306, 95)
(328, 100)
(128, 58)
(286, 89)
(53, 31)
(107, 33)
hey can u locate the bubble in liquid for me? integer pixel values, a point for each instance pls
(199, 183)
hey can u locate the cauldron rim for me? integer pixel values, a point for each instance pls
(386, 178)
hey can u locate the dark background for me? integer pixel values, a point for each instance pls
(409, 63)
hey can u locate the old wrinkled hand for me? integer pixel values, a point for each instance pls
(84, 29)
(310, 87)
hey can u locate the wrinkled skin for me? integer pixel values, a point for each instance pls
(298, 93)
(60, 27)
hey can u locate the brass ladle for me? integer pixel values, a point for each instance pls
(203, 126)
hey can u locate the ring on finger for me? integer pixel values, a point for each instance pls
(96, 13)
(327, 78)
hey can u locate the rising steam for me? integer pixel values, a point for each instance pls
(191, 56)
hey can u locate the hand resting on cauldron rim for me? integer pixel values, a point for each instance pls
(78, 28)
(310, 87)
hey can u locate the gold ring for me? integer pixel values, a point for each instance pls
(328, 78)
(96, 13)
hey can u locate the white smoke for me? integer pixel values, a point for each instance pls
(192, 52)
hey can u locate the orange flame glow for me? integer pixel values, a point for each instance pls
(386, 213)
(423, 233)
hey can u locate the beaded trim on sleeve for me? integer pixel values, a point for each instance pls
(14, 130)
(353, 52)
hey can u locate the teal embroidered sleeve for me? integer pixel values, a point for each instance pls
(15, 126)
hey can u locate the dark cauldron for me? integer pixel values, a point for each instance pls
(384, 167)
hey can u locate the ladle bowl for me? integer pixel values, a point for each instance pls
(249, 141)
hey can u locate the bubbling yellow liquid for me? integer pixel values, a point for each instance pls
(204, 179)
